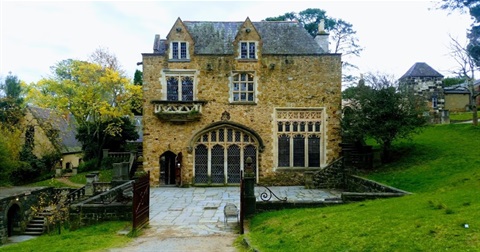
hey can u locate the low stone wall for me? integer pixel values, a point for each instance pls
(19, 200)
(279, 205)
(332, 176)
(359, 189)
(89, 214)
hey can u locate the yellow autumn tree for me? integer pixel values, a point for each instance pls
(97, 96)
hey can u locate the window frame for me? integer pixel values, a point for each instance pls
(178, 51)
(166, 74)
(248, 49)
(246, 92)
(292, 124)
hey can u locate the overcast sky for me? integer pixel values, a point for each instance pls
(37, 34)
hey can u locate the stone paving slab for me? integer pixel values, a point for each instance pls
(192, 219)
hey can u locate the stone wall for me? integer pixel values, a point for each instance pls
(89, 214)
(282, 82)
(21, 198)
(332, 176)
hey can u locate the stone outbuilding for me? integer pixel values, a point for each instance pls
(217, 94)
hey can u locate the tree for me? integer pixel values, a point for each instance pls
(452, 81)
(11, 101)
(381, 111)
(93, 94)
(138, 78)
(342, 35)
(467, 67)
(106, 59)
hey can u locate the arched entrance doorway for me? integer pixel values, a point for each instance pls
(13, 219)
(220, 152)
(170, 168)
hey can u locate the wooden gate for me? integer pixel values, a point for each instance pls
(141, 201)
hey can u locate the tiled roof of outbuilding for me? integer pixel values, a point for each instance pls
(421, 69)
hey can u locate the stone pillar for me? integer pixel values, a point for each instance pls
(89, 190)
(120, 171)
(74, 170)
(308, 176)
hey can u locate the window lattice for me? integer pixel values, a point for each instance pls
(180, 88)
(243, 87)
(201, 164)
(219, 145)
(299, 138)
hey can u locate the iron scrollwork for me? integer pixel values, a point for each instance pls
(267, 195)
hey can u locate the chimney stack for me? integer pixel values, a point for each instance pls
(322, 36)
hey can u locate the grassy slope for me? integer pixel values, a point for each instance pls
(93, 238)
(440, 167)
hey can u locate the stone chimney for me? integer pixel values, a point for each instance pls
(156, 44)
(322, 36)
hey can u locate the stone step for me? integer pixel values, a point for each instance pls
(34, 229)
(32, 233)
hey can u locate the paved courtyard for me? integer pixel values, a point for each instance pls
(192, 219)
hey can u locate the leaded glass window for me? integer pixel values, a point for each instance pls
(180, 87)
(299, 137)
(224, 150)
(248, 50)
(243, 87)
(179, 50)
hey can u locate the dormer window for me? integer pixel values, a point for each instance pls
(248, 50)
(179, 50)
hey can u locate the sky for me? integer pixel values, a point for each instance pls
(395, 34)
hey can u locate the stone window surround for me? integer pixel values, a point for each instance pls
(178, 72)
(320, 111)
(231, 89)
(248, 50)
(170, 56)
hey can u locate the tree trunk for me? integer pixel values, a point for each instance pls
(475, 114)
(386, 155)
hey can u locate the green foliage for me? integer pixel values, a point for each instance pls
(381, 111)
(11, 101)
(88, 165)
(138, 78)
(445, 188)
(99, 237)
(452, 81)
(94, 142)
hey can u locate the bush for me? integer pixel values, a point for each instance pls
(89, 165)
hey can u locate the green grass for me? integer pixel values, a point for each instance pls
(104, 176)
(93, 238)
(440, 167)
(49, 182)
(461, 116)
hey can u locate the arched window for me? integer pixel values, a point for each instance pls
(220, 155)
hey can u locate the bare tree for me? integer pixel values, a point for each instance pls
(466, 69)
(106, 59)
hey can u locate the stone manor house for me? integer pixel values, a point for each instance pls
(216, 93)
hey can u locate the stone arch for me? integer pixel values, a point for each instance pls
(220, 151)
(13, 219)
(217, 125)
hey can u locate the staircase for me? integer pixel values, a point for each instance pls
(37, 225)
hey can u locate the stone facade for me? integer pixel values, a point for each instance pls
(286, 85)
(15, 209)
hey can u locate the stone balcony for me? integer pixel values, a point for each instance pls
(178, 111)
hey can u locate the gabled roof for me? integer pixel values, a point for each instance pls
(66, 129)
(421, 69)
(277, 37)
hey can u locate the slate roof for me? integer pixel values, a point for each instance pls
(421, 69)
(277, 37)
(67, 129)
(457, 89)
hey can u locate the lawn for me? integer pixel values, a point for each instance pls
(461, 116)
(439, 166)
(92, 238)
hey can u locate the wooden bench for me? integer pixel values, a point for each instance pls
(230, 210)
